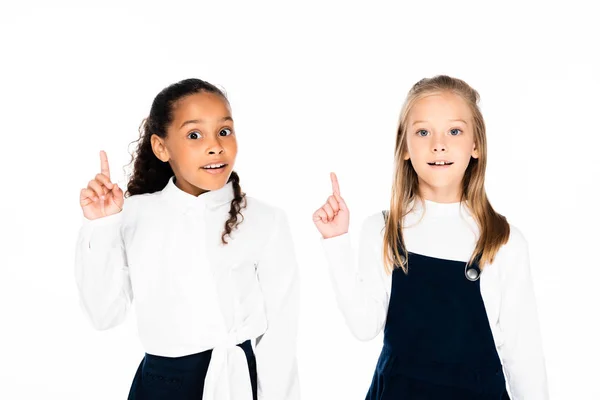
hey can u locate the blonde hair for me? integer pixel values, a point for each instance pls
(493, 227)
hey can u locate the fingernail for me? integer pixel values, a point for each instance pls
(102, 197)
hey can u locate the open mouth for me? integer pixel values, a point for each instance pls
(440, 163)
(215, 166)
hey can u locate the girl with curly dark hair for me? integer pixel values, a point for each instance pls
(216, 289)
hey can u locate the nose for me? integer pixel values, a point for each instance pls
(439, 144)
(215, 147)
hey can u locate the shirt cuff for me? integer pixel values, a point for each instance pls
(336, 243)
(101, 232)
(102, 221)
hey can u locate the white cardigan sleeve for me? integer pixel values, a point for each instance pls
(101, 271)
(275, 350)
(521, 350)
(359, 283)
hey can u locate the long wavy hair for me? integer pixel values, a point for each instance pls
(150, 174)
(494, 228)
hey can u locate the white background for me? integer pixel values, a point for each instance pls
(314, 88)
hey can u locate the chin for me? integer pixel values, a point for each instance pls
(212, 185)
(213, 182)
(437, 182)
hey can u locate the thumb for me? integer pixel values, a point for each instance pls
(117, 195)
(341, 201)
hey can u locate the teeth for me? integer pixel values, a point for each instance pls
(442, 163)
(213, 166)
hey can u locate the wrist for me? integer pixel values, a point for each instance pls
(334, 235)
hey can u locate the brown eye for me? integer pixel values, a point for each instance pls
(227, 132)
(194, 135)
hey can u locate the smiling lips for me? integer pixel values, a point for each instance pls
(214, 166)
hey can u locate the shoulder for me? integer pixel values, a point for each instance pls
(373, 226)
(375, 220)
(517, 243)
(264, 214)
(140, 200)
(514, 256)
(138, 203)
(263, 208)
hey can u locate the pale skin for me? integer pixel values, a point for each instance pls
(440, 127)
(200, 134)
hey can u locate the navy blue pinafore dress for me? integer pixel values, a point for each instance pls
(437, 339)
(180, 378)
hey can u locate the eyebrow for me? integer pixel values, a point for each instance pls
(452, 120)
(199, 121)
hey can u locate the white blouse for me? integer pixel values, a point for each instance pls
(446, 231)
(192, 293)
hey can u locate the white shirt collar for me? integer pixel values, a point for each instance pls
(211, 199)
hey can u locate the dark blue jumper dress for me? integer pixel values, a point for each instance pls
(180, 378)
(437, 339)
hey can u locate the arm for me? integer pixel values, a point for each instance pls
(521, 350)
(101, 271)
(360, 289)
(277, 271)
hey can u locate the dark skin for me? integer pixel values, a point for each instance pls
(201, 133)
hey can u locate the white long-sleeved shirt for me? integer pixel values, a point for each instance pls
(192, 293)
(448, 231)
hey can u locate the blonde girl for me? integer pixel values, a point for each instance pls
(443, 274)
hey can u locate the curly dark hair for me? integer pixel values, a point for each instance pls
(151, 174)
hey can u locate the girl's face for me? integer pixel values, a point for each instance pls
(200, 135)
(440, 128)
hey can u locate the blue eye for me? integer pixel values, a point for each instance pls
(422, 130)
(196, 133)
(226, 130)
(452, 130)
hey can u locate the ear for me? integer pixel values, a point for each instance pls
(475, 152)
(159, 148)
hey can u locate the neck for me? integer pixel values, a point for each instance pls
(435, 209)
(440, 195)
(188, 187)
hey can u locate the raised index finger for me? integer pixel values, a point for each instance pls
(334, 183)
(104, 164)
